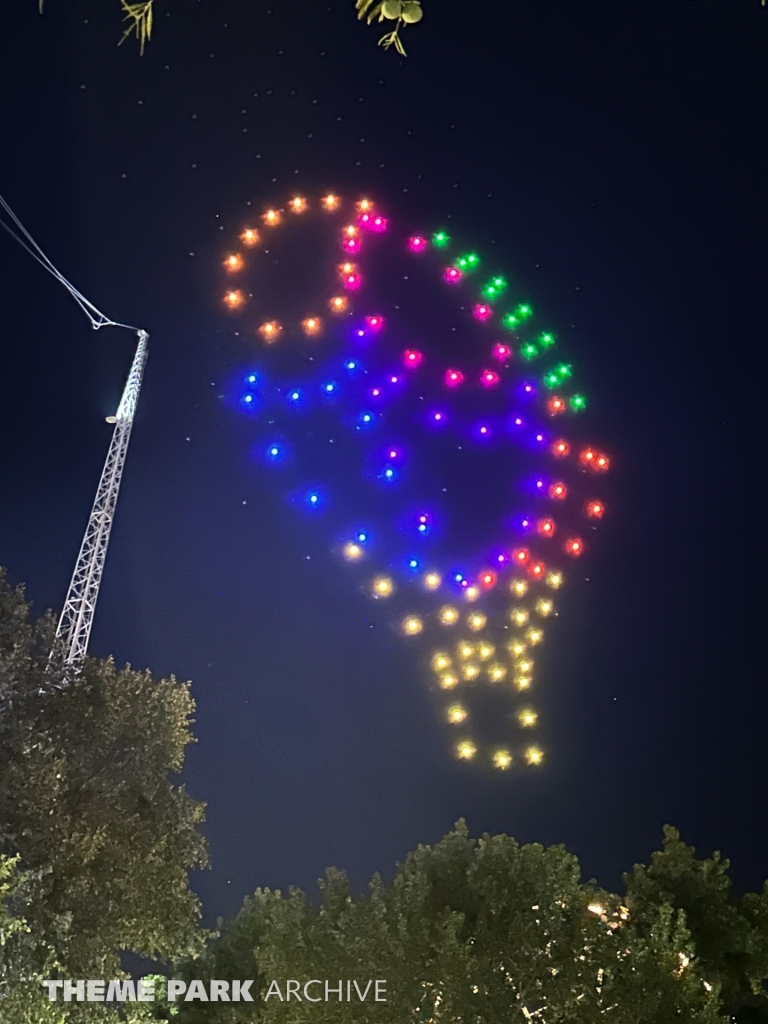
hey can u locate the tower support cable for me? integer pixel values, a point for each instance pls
(74, 627)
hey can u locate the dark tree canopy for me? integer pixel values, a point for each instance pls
(97, 840)
(469, 930)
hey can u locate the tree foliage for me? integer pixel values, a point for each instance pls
(731, 934)
(402, 12)
(97, 840)
(476, 931)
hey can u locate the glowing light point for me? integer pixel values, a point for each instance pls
(502, 352)
(537, 570)
(527, 718)
(312, 326)
(440, 240)
(595, 509)
(351, 245)
(378, 224)
(270, 331)
(466, 650)
(470, 672)
(412, 358)
(545, 607)
(546, 527)
(453, 378)
(452, 275)
(520, 556)
(555, 580)
(574, 547)
(519, 616)
(275, 452)
(546, 340)
(432, 580)
(382, 586)
(578, 403)
(485, 651)
(364, 206)
(468, 262)
(519, 587)
(375, 322)
(502, 759)
(448, 615)
(440, 661)
(330, 387)
(534, 636)
(492, 289)
(456, 714)
(330, 202)
(488, 578)
(313, 499)
(534, 756)
(423, 522)
(465, 750)
(438, 417)
(272, 218)
(560, 449)
(233, 299)
(558, 491)
(234, 263)
(482, 312)
(339, 303)
(298, 205)
(497, 672)
(489, 378)
(556, 406)
(412, 625)
(471, 592)
(417, 244)
(448, 681)
(476, 621)
(352, 281)
(352, 552)
(249, 238)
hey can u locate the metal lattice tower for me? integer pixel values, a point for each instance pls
(76, 620)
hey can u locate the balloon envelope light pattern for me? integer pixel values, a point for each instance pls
(431, 427)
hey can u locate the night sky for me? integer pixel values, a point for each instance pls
(610, 156)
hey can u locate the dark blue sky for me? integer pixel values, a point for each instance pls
(614, 156)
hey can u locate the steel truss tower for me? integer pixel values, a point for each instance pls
(76, 620)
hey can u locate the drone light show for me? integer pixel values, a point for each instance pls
(416, 411)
